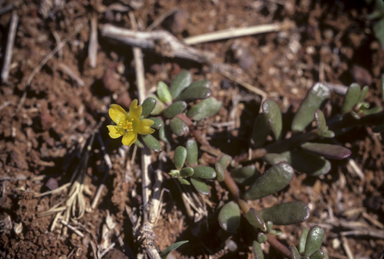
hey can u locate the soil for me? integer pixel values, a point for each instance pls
(45, 126)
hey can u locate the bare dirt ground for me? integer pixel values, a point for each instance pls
(48, 117)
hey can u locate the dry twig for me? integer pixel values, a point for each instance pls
(236, 32)
(92, 47)
(66, 70)
(9, 47)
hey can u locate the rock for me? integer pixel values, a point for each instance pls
(177, 22)
(110, 79)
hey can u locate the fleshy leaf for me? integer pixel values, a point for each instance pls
(316, 97)
(152, 142)
(148, 106)
(255, 219)
(204, 109)
(257, 250)
(363, 94)
(301, 161)
(372, 110)
(172, 247)
(181, 81)
(294, 253)
(351, 97)
(165, 134)
(180, 156)
(378, 30)
(178, 126)
(186, 172)
(203, 82)
(245, 175)
(174, 109)
(322, 128)
(327, 150)
(183, 181)
(204, 172)
(260, 130)
(229, 217)
(303, 240)
(159, 105)
(273, 114)
(138, 143)
(317, 255)
(273, 180)
(261, 237)
(382, 86)
(200, 186)
(163, 92)
(225, 160)
(192, 152)
(195, 93)
(314, 240)
(158, 122)
(286, 213)
(220, 172)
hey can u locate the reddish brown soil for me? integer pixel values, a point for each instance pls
(43, 126)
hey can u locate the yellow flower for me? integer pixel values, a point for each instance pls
(128, 124)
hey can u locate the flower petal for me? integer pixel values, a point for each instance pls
(115, 131)
(135, 110)
(118, 114)
(143, 127)
(129, 138)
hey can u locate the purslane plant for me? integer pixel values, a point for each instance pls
(178, 114)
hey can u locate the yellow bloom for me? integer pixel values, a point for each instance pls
(128, 124)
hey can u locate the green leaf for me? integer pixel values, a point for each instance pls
(286, 213)
(316, 97)
(317, 255)
(225, 160)
(378, 30)
(245, 175)
(255, 219)
(322, 128)
(220, 172)
(274, 158)
(174, 109)
(372, 111)
(152, 143)
(178, 126)
(257, 250)
(183, 181)
(351, 98)
(159, 105)
(180, 156)
(165, 134)
(301, 161)
(181, 81)
(148, 106)
(327, 150)
(206, 108)
(200, 186)
(261, 237)
(163, 93)
(186, 172)
(260, 130)
(269, 226)
(273, 115)
(355, 115)
(204, 172)
(195, 93)
(172, 247)
(158, 122)
(203, 82)
(138, 143)
(303, 240)
(273, 180)
(192, 152)
(294, 253)
(363, 94)
(314, 240)
(229, 217)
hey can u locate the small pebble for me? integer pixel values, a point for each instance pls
(361, 75)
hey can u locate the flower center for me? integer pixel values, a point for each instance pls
(128, 125)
